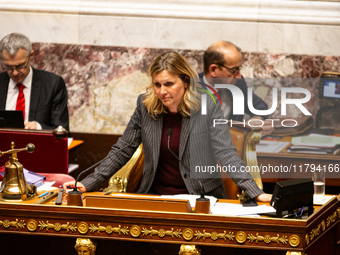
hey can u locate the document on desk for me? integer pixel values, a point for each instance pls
(270, 146)
(230, 209)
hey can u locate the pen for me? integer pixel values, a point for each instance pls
(43, 194)
(69, 187)
(49, 194)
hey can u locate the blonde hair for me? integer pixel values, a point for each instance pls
(175, 64)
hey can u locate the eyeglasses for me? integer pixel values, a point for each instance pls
(233, 71)
(18, 67)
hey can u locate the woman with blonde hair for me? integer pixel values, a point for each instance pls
(169, 123)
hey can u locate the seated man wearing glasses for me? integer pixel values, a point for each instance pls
(222, 64)
(41, 95)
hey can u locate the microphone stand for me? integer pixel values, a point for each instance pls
(202, 203)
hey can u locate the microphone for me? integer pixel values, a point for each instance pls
(77, 200)
(202, 203)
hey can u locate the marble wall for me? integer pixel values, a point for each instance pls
(103, 82)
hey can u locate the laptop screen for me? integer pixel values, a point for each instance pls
(11, 119)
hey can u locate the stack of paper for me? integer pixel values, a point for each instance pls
(270, 146)
(315, 143)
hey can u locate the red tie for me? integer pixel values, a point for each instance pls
(21, 99)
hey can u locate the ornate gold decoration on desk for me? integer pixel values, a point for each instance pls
(135, 231)
(214, 235)
(294, 240)
(321, 227)
(85, 246)
(17, 224)
(267, 239)
(14, 185)
(57, 226)
(161, 233)
(83, 228)
(331, 218)
(295, 253)
(109, 229)
(241, 237)
(188, 234)
(187, 249)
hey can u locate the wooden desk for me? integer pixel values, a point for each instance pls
(49, 229)
(300, 161)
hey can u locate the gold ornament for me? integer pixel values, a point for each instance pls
(294, 240)
(188, 234)
(135, 231)
(83, 228)
(32, 225)
(241, 237)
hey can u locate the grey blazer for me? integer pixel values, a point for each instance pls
(206, 145)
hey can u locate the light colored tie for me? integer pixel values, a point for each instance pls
(21, 99)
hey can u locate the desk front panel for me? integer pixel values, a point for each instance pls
(171, 228)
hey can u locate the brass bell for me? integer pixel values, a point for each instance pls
(14, 185)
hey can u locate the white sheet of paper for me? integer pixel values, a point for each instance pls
(239, 210)
(270, 146)
(46, 186)
(69, 141)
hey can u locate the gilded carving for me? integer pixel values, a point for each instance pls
(85, 246)
(161, 233)
(331, 219)
(188, 234)
(267, 239)
(7, 223)
(57, 226)
(32, 225)
(241, 237)
(83, 228)
(295, 253)
(214, 235)
(187, 249)
(307, 239)
(294, 240)
(109, 229)
(338, 212)
(173, 233)
(323, 225)
(315, 232)
(135, 231)
(150, 232)
(17, 224)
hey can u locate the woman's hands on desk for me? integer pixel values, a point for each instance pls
(264, 197)
(70, 185)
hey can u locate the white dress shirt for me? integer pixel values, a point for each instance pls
(13, 92)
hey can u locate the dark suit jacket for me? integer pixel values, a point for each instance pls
(200, 144)
(258, 103)
(48, 104)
